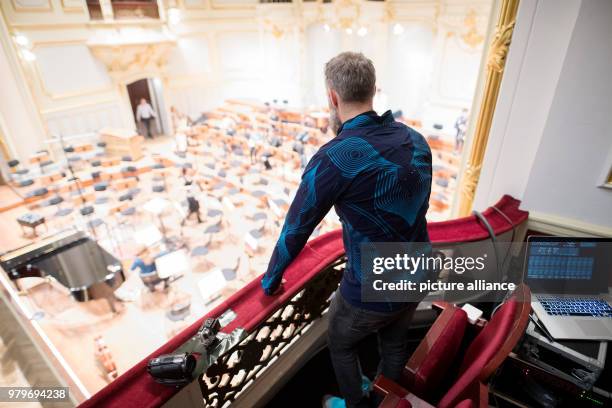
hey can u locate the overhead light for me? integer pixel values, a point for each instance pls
(28, 55)
(362, 31)
(349, 31)
(326, 27)
(174, 16)
(22, 40)
(398, 29)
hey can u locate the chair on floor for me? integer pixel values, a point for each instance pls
(101, 186)
(213, 228)
(57, 201)
(431, 365)
(38, 192)
(230, 273)
(200, 250)
(128, 211)
(214, 212)
(15, 168)
(25, 183)
(259, 216)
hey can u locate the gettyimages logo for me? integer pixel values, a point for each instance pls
(408, 271)
(413, 264)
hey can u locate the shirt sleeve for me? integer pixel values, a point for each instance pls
(319, 189)
(138, 264)
(138, 113)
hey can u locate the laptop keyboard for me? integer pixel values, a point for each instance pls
(562, 306)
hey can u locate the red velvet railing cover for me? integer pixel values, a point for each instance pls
(135, 388)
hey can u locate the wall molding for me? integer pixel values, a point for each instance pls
(562, 226)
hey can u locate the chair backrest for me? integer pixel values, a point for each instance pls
(430, 362)
(492, 345)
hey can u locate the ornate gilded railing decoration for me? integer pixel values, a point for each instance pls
(235, 370)
(498, 51)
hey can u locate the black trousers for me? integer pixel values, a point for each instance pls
(147, 123)
(348, 326)
(190, 214)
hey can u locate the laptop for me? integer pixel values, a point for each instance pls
(569, 279)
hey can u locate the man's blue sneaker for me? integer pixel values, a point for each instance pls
(329, 401)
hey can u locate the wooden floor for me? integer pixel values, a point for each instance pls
(141, 324)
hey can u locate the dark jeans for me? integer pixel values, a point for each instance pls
(189, 214)
(348, 325)
(147, 124)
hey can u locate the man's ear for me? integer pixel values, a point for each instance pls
(333, 97)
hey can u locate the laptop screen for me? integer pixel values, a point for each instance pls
(563, 265)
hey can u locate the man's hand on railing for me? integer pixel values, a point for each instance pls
(274, 289)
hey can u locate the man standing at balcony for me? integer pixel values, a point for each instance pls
(377, 174)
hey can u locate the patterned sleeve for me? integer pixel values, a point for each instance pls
(320, 187)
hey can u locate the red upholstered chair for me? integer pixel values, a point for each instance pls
(428, 366)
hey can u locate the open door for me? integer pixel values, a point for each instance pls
(150, 89)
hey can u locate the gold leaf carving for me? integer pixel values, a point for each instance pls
(499, 47)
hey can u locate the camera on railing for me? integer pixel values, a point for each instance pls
(178, 369)
(172, 369)
(208, 333)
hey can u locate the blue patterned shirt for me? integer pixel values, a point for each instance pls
(377, 175)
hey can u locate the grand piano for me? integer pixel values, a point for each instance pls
(74, 260)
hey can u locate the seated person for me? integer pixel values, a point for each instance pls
(145, 263)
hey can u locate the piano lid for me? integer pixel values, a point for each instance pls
(73, 259)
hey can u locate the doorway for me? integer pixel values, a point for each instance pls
(151, 90)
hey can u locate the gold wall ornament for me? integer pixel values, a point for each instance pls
(496, 61)
(346, 13)
(499, 47)
(471, 174)
(471, 36)
(276, 31)
(124, 60)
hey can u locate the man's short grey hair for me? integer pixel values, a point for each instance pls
(352, 76)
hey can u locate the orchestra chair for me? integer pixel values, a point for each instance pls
(110, 162)
(100, 189)
(15, 169)
(428, 368)
(51, 180)
(214, 231)
(42, 159)
(121, 212)
(38, 192)
(199, 253)
(57, 201)
(231, 272)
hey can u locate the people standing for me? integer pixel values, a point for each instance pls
(145, 114)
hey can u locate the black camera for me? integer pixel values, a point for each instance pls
(178, 369)
(208, 332)
(172, 369)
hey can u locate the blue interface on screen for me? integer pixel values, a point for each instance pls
(561, 260)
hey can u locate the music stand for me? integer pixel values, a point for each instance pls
(157, 206)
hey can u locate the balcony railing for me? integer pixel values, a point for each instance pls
(273, 325)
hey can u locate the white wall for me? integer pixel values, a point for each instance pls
(552, 131)
(271, 51)
(19, 119)
(578, 134)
